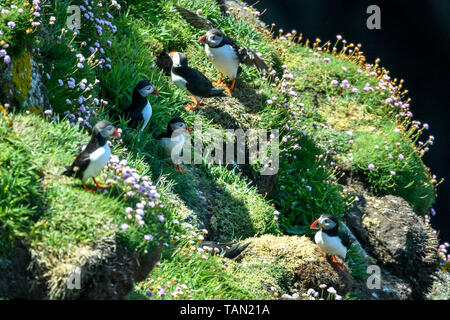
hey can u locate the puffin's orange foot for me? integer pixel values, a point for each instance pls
(219, 82)
(103, 186)
(231, 87)
(88, 189)
(180, 169)
(193, 106)
(334, 259)
(341, 265)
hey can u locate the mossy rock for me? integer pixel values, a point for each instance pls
(306, 265)
(401, 242)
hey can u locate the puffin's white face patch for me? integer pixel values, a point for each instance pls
(146, 91)
(214, 40)
(327, 223)
(178, 126)
(107, 131)
(176, 59)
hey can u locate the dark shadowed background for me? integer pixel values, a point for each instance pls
(413, 43)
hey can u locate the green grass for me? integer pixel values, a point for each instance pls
(203, 278)
(21, 196)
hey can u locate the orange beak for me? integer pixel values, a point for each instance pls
(155, 91)
(188, 129)
(117, 133)
(314, 225)
(202, 39)
(171, 53)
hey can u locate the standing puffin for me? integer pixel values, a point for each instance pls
(172, 141)
(329, 239)
(191, 79)
(91, 161)
(224, 53)
(140, 108)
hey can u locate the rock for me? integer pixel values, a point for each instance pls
(15, 280)
(440, 289)
(116, 277)
(21, 84)
(307, 266)
(105, 270)
(398, 239)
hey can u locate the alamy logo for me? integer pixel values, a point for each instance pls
(261, 147)
(374, 20)
(74, 19)
(374, 280)
(74, 279)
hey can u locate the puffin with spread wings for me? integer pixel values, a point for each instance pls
(224, 53)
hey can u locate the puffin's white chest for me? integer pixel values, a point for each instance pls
(331, 245)
(173, 146)
(98, 160)
(146, 114)
(179, 81)
(224, 59)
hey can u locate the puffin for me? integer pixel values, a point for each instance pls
(330, 240)
(227, 250)
(140, 108)
(172, 141)
(91, 161)
(192, 80)
(224, 53)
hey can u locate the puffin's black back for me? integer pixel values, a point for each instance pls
(197, 83)
(345, 239)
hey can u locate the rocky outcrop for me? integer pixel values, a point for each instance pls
(403, 246)
(21, 84)
(15, 280)
(106, 271)
(440, 290)
(307, 266)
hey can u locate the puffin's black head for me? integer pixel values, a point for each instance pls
(325, 222)
(178, 59)
(212, 38)
(144, 88)
(105, 129)
(177, 123)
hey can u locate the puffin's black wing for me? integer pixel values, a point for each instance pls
(134, 115)
(228, 252)
(80, 163)
(248, 56)
(198, 84)
(346, 241)
(195, 19)
(235, 250)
